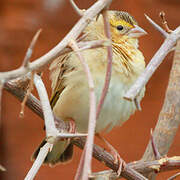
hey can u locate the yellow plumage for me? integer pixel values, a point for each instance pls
(70, 95)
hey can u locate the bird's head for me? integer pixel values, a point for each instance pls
(123, 24)
(123, 27)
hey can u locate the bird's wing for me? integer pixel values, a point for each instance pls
(58, 69)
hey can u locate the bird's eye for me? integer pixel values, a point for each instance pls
(119, 27)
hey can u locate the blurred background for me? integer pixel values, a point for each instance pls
(19, 20)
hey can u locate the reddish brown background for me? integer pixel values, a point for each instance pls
(19, 20)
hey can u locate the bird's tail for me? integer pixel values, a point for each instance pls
(62, 152)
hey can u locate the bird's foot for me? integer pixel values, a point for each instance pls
(72, 126)
(117, 158)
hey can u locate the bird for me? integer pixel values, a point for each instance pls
(70, 91)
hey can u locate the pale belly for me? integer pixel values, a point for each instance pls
(74, 103)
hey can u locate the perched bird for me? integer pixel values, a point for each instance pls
(70, 93)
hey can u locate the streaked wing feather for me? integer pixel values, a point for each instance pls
(57, 69)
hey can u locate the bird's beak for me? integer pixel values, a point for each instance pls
(136, 32)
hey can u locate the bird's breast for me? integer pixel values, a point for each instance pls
(73, 102)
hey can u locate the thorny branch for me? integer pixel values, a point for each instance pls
(52, 133)
(41, 62)
(98, 152)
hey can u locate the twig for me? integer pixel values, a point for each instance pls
(161, 165)
(25, 64)
(109, 63)
(164, 22)
(80, 166)
(29, 52)
(157, 27)
(157, 59)
(154, 147)
(41, 62)
(174, 176)
(48, 115)
(30, 88)
(99, 153)
(76, 8)
(51, 131)
(92, 114)
(38, 162)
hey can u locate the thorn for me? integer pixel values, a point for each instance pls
(30, 49)
(77, 9)
(161, 30)
(29, 90)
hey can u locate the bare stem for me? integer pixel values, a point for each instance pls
(48, 115)
(109, 63)
(41, 62)
(92, 114)
(30, 88)
(38, 162)
(29, 52)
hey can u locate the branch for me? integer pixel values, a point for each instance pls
(48, 115)
(52, 133)
(41, 62)
(92, 114)
(38, 162)
(30, 88)
(157, 59)
(169, 120)
(161, 165)
(15, 87)
(109, 63)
